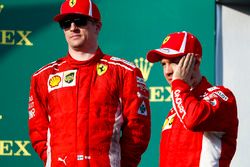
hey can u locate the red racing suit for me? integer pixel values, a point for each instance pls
(89, 113)
(201, 128)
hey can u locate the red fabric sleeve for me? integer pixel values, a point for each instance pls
(38, 119)
(136, 112)
(214, 111)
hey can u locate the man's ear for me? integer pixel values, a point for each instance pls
(98, 26)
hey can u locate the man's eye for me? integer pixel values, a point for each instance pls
(77, 19)
(175, 61)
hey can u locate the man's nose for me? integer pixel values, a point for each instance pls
(73, 26)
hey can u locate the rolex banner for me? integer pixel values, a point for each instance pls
(30, 39)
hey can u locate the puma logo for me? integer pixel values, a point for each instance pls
(63, 160)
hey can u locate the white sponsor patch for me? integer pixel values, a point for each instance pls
(124, 61)
(32, 113)
(222, 95)
(31, 105)
(143, 109)
(69, 78)
(62, 79)
(212, 89)
(211, 98)
(140, 80)
(30, 98)
(142, 87)
(178, 102)
(80, 157)
(83, 157)
(141, 95)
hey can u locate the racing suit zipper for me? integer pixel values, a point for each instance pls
(89, 100)
(77, 90)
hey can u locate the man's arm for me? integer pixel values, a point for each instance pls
(136, 111)
(38, 119)
(216, 111)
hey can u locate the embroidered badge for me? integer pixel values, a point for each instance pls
(101, 69)
(54, 81)
(72, 3)
(142, 109)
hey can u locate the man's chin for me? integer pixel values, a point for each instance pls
(76, 46)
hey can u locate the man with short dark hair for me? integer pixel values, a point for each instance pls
(201, 128)
(88, 108)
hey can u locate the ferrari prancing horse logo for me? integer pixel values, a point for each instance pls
(165, 40)
(72, 3)
(101, 69)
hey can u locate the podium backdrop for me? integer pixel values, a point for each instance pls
(30, 39)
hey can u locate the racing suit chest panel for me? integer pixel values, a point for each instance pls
(98, 109)
(85, 111)
(189, 143)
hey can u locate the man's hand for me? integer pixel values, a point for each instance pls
(185, 69)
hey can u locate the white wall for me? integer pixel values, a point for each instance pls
(235, 31)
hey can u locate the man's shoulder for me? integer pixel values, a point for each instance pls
(207, 88)
(49, 67)
(219, 88)
(118, 62)
(222, 92)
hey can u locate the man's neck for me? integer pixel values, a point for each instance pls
(82, 55)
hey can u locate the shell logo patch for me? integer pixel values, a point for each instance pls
(54, 81)
(166, 39)
(61, 80)
(101, 69)
(72, 3)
